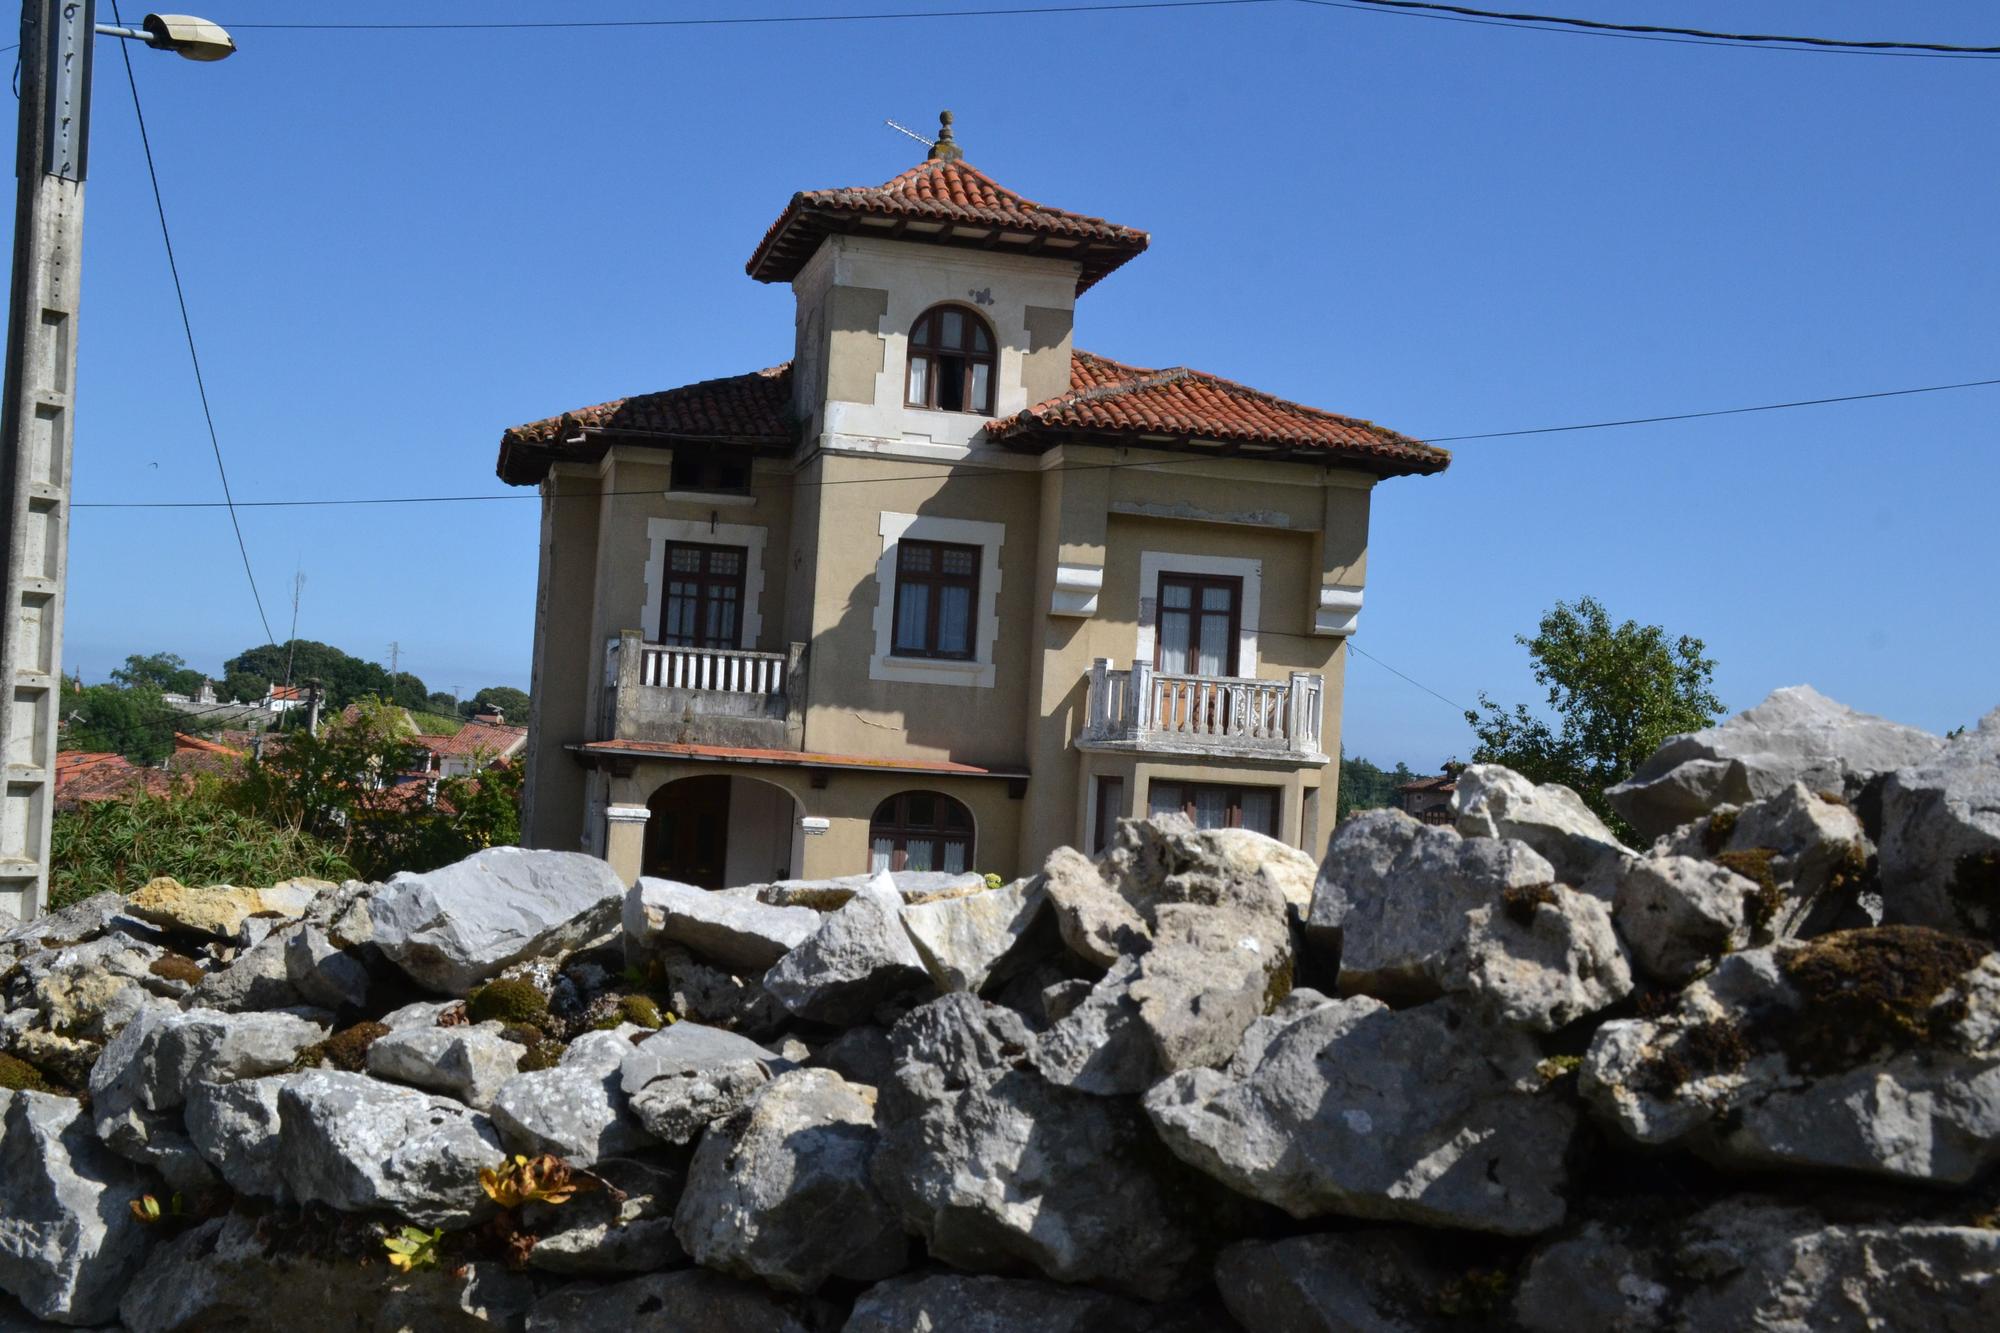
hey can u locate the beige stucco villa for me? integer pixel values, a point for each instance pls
(942, 591)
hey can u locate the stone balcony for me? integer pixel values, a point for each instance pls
(703, 696)
(1147, 711)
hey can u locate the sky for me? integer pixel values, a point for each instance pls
(396, 244)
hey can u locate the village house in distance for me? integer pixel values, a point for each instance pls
(942, 591)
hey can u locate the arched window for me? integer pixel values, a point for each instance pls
(951, 361)
(920, 830)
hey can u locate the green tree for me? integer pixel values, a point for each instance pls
(134, 722)
(1617, 692)
(440, 702)
(512, 703)
(160, 671)
(408, 691)
(243, 687)
(345, 678)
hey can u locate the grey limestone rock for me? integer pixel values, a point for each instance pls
(1596, 1278)
(859, 1055)
(323, 974)
(613, 1234)
(1492, 801)
(258, 978)
(144, 1075)
(1419, 911)
(1940, 854)
(828, 895)
(858, 960)
(1358, 1281)
(995, 1167)
(970, 939)
(235, 1127)
(223, 1275)
(454, 927)
(1796, 735)
(960, 1303)
(686, 1075)
(577, 1110)
(1102, 1045)
(1423, 1115)
(356, 1144)
(767, 1181)
(688, 1301)
(734, 931)
(1874, 1052)
(68, 1242)
(1676, 913)
(467, 1062)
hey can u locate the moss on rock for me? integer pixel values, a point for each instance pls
(1864, 991)
(17, 1075)
(508, 1000)
(346, 1049)
(1520, 901)
(177, 967)
(1698, 1051)
(1754, 864)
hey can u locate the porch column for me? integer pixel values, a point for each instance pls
(625, 840)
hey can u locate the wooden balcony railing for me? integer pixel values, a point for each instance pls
(1142, 708)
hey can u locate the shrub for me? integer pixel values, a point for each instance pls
(195, 834)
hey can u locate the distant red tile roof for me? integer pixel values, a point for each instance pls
(281, 692)
(88, 775)
(753, 409)
(185, 742)
(944, 201)
(731, 754)
(1110, 398)
(1106, 398)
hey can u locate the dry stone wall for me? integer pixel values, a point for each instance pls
(1507, 1074)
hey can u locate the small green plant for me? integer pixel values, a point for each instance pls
(147, 1209)
(1558, 1067)
(993, 881)
(413, 1248)
(508, 1000)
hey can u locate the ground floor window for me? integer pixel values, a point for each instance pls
(920, 830)
(1216, 805)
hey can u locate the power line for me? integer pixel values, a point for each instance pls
(187, 327)
(1662, 32)
(967, 471)
(1715, 412)
(745, 20)
(1355, 647)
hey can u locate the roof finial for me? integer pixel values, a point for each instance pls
(945, 149)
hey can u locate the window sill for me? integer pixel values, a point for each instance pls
(714, 499)
(934, 664)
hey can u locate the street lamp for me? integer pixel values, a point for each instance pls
(37, 417)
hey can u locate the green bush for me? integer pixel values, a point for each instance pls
(195, 835)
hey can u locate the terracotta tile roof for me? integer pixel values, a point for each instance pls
(752, 409)
(196, 744)
(1110, 398)
(944, 201)
(493, 740)
(1105, 397)
(280, 693)
(787, 758)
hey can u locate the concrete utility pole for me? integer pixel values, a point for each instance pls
(37, 421)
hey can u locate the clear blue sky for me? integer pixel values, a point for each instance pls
(396, 244)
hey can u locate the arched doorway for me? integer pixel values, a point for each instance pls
(719, 830)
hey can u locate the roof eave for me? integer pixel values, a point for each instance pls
(1037, 437)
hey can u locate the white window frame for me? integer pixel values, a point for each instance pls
(1152, 564)
(979, 672)
(660, 531)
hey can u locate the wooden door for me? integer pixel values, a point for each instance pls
(687, 838)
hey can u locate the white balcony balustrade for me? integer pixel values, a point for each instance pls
(1144, 709)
